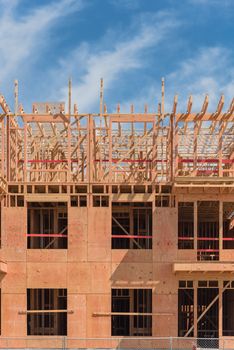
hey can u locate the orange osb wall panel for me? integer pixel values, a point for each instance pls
(44, 275)
(14, 226)
(78, 234)
(13, 324)
(13, 283)
(77, 323)
(226, 255)
(186, 255)
(46, 255)
(131, 256)
(15, 279)
(131, 274)
(164, 300)
(78, 277)
(165, 234)
(99, 234)
(164, 324)
(89, 277)
(89, 271)
(98, 326)
(166, 283)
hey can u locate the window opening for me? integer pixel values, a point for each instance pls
(131, 312)
(208, 231)
(228, 225)
(228, 308)
(132, 225)
(186, 225)
(47, 312)
(208, 325)
(185, 308)
(47, 225)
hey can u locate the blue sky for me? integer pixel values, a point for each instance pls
(130, 43)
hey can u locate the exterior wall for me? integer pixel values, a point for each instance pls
(89, 268)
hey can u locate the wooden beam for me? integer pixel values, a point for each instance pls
(103, 314)
(45, 311)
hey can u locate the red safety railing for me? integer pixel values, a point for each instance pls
(45, 235)
(48, 161)
(131, 236)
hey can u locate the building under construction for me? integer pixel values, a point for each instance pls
(116, 225)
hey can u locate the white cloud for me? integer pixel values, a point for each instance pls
(221, 3)
(210, 72)
(123, 55)
(112, 57)
(21, 36)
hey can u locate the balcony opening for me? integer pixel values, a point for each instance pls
(208, 230)
(228, 225)
(228, 309)
(186, 225)
(185, 308)
(47, 312)
(47, 225)
(131, 312)
(131, 225)
(208, 306)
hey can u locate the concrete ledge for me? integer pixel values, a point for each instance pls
(210, 266)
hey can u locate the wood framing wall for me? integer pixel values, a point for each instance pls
(89, 162)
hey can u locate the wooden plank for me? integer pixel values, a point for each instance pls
(45, 311)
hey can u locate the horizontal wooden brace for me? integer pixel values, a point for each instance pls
(98, 314)
(45, 312)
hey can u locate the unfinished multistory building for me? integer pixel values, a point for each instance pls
(116, 225)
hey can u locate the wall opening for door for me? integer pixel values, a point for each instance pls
(208, 230)
(131, 312)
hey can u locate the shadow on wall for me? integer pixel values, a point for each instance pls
(144, 288)
(131, 296)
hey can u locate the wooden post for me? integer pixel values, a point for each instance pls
(8, 148)
(25, 152)
(69, 96)
(101, 97)
(195, 225)
(196, 131)
(69, 131)
(3, 149)
(220, 227)
(110, 151)
(220, 330)
(195, 286)
(163, 98)
(171, 147)
(16, 94)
